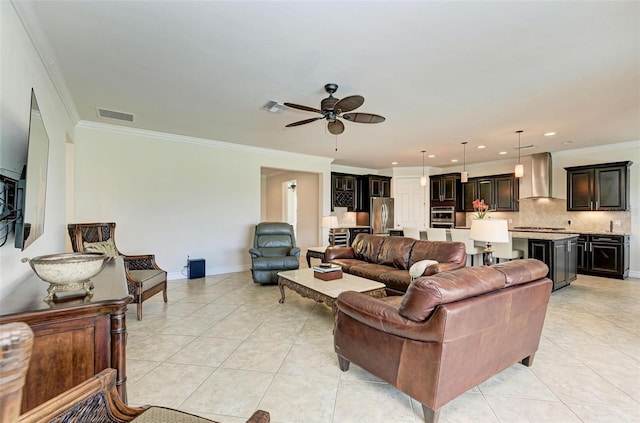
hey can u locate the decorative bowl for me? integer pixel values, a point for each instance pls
(68, 271)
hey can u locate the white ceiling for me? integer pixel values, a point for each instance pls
(440, 72)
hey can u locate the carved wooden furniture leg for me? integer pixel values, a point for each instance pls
(281, 286)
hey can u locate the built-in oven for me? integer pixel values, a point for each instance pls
(443, 217)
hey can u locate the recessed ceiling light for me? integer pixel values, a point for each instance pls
(480, 147)
(549, 134)
(431, 156)
(394, 163)
(567, 142)
(454, 160)
(502, 152)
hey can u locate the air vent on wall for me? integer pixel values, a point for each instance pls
(112, 114)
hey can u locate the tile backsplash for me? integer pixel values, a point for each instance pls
(552, 212)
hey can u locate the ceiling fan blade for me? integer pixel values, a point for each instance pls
(336, 127)
(363, 118)
(302, 122)
(348, 104)
(307, 108)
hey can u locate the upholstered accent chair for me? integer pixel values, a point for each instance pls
(274, 250)
(16, 341)
(144, 277)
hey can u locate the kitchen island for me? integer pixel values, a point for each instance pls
(557, 250)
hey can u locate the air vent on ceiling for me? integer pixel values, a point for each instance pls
(526, 147)
(112, 114)
(273, 106)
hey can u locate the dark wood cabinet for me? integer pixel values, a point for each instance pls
(598, 187)
(561, 257)
(343, 191)
(500, 192)
(371, 186)
(604, 255)
(73, 339)
(446, 190)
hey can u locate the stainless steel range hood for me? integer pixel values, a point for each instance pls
(541, 172)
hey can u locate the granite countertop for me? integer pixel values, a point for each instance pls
(543, 235)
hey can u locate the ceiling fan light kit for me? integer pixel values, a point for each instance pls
(333, 109)
(519, 170)
(464, 176)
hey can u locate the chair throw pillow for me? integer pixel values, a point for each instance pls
(108, 247)
(418, 268)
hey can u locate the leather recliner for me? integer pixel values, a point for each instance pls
(274, 250)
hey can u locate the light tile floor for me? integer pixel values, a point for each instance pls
(223, 347)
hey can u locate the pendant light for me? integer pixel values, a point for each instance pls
(464, 177)
(519, 171)
(423, 179)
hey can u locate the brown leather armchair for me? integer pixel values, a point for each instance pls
(449, 332)
(144, 277)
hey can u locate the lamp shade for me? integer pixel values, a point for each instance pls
(489, 230)
(329, 221)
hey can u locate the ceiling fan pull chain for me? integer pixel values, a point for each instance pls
(336, 143)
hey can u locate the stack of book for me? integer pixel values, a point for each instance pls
(327, 271)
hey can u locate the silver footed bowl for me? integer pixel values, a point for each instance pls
(67, 268)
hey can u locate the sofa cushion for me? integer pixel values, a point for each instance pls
(347, 263)
(395, 252)
(425, 293)
(367, 247)
(441, 251)
(522, 271)
(369, 270)
(396, 280)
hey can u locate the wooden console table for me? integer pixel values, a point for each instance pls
(74, 339)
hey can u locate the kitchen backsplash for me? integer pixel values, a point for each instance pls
(552, 212)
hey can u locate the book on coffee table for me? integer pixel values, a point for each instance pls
(326, 268)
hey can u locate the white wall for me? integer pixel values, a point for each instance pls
(174, 196)
(22, 70)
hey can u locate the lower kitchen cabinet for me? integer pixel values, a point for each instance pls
(604, 255)
(560, 255)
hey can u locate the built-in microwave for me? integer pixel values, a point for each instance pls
(443, 217)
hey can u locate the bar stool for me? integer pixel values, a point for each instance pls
(462, 235)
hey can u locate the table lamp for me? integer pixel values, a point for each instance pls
(489, 230)
(329, 222)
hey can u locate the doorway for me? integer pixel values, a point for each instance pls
(290, 204)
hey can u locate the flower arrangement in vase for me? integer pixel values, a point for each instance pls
(481, 208)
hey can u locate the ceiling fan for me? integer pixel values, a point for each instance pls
(332, 109)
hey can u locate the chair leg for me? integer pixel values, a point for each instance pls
(528, 361)
(164, 293)
(139, 310)
(430, 416)
(343, 363)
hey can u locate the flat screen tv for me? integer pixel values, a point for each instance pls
(31, 188)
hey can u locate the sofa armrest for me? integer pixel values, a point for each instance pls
(255, 253)
(383, 316)
(441, 267)
(332, 253)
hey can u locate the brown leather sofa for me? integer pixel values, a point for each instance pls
(449, 332)
(387, 259)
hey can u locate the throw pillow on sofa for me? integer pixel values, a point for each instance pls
(418, 268)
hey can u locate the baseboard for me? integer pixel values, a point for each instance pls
(211, 271)
(634, 274)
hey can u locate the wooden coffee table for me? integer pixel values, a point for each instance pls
(303, 282)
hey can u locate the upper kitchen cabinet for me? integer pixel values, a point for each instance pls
(499, 192)
(598, 187)
(371, 186)
(343, 190)
(446, 190)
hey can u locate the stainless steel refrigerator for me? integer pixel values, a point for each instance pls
(381, 215)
